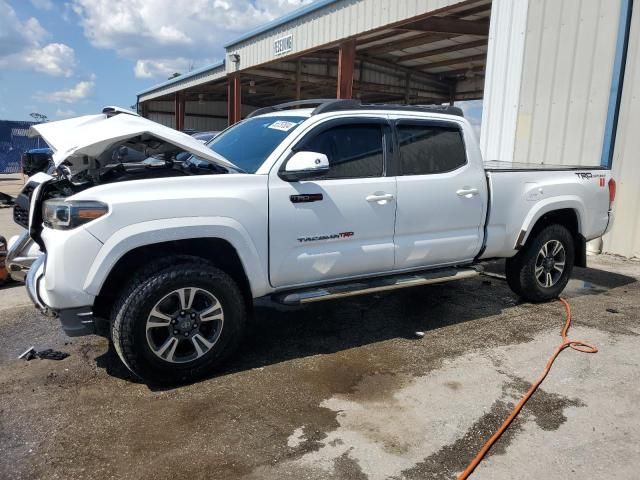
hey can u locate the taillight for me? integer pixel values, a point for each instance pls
(612, 192)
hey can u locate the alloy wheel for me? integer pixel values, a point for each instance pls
(550, 263)
(184, 325)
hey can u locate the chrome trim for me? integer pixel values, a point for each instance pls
(361, 288)
(18, 263)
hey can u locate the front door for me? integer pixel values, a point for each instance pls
(341, 224)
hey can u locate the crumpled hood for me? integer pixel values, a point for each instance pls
(91, 134)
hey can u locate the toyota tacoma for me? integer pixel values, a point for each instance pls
(298, 203)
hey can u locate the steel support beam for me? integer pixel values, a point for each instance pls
(298, 73)
(346, 64)
(178, 109)
(451, 26)
(440, 51)
(234, 100)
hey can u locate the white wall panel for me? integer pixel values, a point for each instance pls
(566, 78)
(204, 116)
(624, 239)
(166, 119)
(503, 75)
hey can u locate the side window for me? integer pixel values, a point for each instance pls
(428, 149)
(354, 151)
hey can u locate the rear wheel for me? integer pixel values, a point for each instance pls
(541, 270)
(179, 322)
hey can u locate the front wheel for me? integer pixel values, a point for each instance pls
(178, 323)
(541, 270)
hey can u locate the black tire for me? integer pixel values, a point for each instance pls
(150, 286)
(521, 269)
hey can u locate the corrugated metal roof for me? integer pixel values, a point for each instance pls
(300, 12)
(183, 78)
(312, 7)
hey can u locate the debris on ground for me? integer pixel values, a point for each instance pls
(612, 310)
(28, 354)
(419, 334)
(48, 354)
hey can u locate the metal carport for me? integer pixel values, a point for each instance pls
(430, 51)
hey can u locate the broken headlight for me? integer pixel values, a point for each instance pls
(65, 215)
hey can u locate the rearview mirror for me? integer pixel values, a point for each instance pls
(305, 165)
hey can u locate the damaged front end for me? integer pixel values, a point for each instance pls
(115, 146)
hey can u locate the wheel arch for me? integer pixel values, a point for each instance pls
(569, 217)
(218, 251)
(220, 240)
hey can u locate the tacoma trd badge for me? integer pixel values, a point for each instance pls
(333, 236)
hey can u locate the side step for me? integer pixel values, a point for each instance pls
(382, 284)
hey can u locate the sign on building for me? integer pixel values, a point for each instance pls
(283, 45)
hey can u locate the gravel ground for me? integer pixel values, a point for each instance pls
(345, 390)
(10, 184)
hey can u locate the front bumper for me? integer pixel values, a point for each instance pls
(21, 254)
(76, 322)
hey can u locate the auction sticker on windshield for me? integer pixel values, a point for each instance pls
(282, 125)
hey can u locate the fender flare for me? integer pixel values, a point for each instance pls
(171, 229)
(565, 202)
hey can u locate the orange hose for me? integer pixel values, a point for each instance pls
(576, 345)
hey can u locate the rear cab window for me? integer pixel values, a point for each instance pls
(428, 148)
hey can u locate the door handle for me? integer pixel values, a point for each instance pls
(384, 197)
(467, 192)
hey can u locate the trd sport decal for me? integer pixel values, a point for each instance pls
(589, 175)
(584, 175)
(333, 236)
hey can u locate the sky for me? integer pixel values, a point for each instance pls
(63, 58)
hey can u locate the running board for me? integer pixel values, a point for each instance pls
(363, 287)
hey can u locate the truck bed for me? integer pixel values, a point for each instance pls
(521, 193)
(502, 166)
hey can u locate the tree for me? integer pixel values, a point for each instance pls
(39, 117)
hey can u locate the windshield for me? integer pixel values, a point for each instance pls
(248, 144)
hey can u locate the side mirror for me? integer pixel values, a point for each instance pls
(305, 165)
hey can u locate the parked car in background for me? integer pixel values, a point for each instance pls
(36, 160)
(297, 206)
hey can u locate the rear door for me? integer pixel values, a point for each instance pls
(441, 197)
(339, 225)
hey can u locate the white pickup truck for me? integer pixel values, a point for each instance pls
(295, 204)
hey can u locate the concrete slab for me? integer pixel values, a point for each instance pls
(345, 390)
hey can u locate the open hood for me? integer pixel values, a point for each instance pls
(91, 135)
